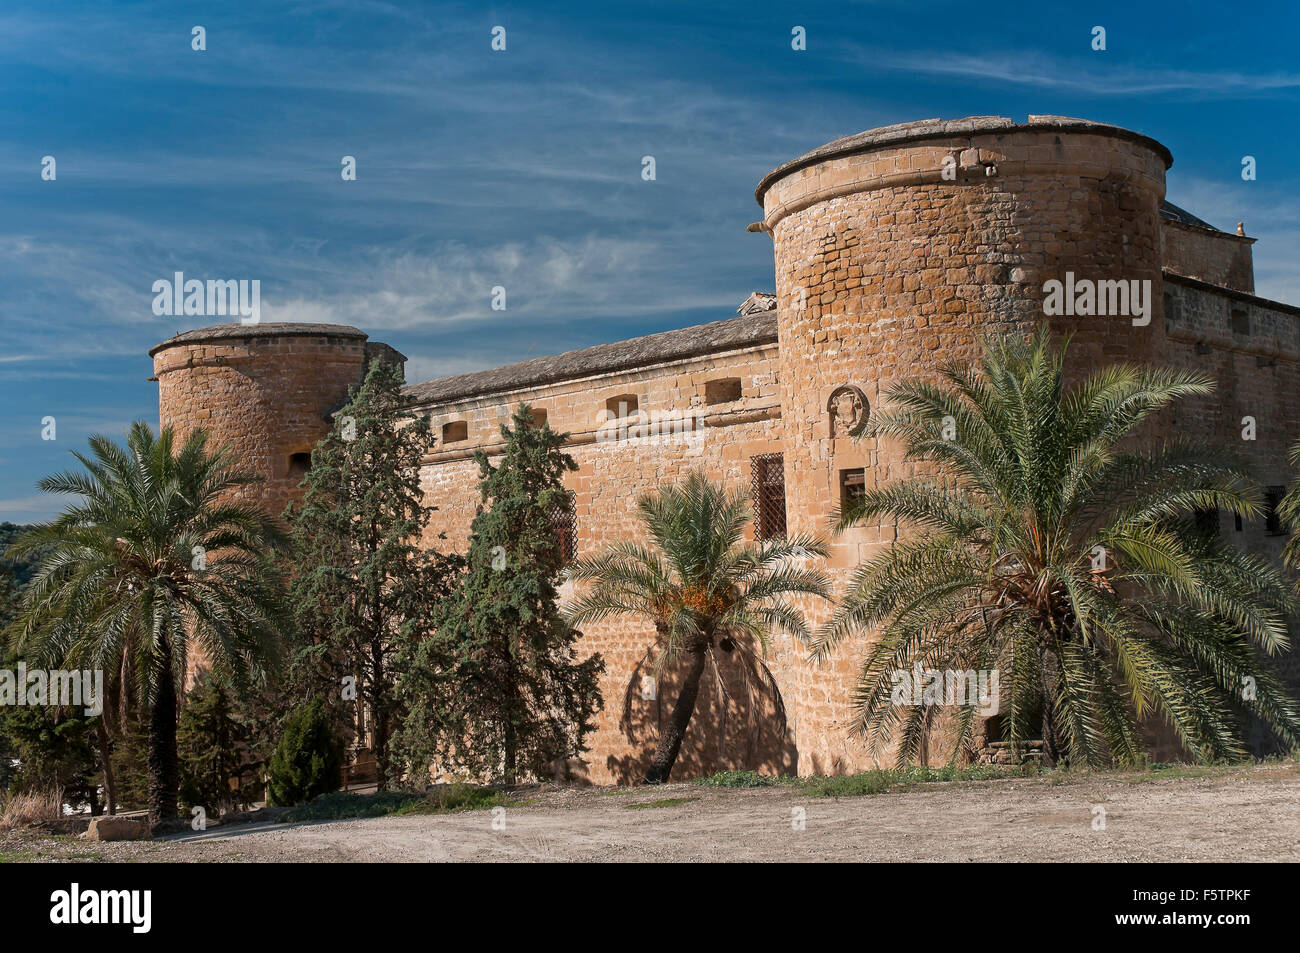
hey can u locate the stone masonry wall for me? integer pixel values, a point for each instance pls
(1210, 256)
(264, 396)
(611, 476)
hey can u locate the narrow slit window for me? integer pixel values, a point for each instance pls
(1272, 518)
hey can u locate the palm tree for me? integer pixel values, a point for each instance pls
(155, 560)
(1289, 512)
(1050, 551)
(700, 586)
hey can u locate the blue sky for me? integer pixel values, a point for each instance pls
(522, 168)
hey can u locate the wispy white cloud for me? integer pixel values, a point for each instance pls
(1092, 77)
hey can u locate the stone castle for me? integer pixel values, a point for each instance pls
(895, 250)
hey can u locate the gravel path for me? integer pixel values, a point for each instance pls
(1250, 814)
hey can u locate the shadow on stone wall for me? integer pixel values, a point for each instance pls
(739, 723)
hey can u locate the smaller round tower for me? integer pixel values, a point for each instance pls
(264, 391)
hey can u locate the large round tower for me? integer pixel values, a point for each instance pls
(896, 250)
(265, 391)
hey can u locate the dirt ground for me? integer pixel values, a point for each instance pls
(1244, 814)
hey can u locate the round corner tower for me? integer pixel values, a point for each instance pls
(898, 248)
(896, 251)
(264, 391)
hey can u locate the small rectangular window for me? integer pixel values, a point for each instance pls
(853, 485)
(1240, 321)
(299, 464)
(768, 472)
(539, 417)
(1171, 309)
(1272, 519)
(455, 431)
(722, 391)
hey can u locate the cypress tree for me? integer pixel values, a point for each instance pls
(363, 583)
(498, 692)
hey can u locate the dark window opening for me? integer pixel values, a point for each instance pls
(853, 486)
(1240, 321)
(566, 530)
(624, 405)
(993, 728)
(1272, 519)
(1207, 523)
(722, 391)
(1171, 309)
(455, 431)
(768, 472)
(1236, 522)
(299, 464)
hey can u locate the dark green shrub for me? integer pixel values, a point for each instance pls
(309, 758)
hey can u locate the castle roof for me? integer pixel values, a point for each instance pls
(221, 332)
(922, 129)
(752, 328)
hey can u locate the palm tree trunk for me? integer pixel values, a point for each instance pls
(163, 775)
(670, 739)
(1051, 746)
(105, 756)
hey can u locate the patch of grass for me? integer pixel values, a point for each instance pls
(741, 779)
(31, 808)
(339, 806)
(665, 802)
(456, 797)
(878, 781)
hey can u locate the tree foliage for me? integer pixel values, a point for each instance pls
(308, 760)
(363, 585)
(498, 693)
(159, 559)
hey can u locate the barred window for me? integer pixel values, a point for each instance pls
(566, 530)
(768, 471)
